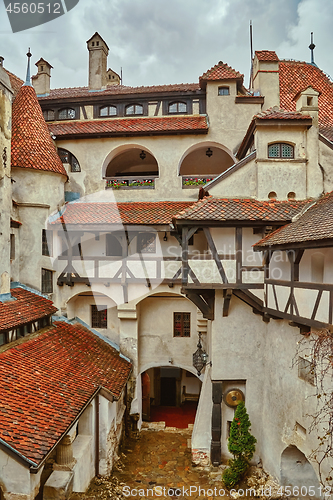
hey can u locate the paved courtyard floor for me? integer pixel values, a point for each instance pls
(156, 465)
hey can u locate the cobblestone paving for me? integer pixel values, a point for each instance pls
(158, 461)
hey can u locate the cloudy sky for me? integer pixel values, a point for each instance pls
(174, 41)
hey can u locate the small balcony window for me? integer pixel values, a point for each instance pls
(146, 243)
(280, 150)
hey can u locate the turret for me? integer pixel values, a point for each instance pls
(98, 53)
(42, 80)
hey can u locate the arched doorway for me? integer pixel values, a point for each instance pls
(297, 471)
(170, 394)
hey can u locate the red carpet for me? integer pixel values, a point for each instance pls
(174, 416)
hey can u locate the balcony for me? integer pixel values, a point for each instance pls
(193, 181)
(138, 182)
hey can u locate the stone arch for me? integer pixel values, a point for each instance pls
(195, 161)
(296, 471)
(125, 161)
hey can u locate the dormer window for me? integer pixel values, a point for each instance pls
(223, 91)
(67, 157)
(108, 111)
(66, 114)
(42, 68)
(280, 150)
(134, 109)
(177, 107)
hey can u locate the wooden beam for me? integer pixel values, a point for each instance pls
(226, 302)
(185, 266)
(239, 254)
(212, 247)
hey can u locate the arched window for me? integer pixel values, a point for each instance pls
(108, 111)
(177, 107)
(280, 150)
(134, 109)
(67, 114)
(67, 157)
(48, 115)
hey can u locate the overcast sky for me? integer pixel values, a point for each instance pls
(171, 41)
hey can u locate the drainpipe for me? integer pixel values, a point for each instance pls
(97, 435)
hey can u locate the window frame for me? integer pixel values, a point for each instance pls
(220, 89)
(72, 159)
(134, 105)
(97, 321)
(143, 245)
(47, 118)
(12, 246)
(108, 115)
(177, 112)
(47, 283)
(47, 242)
(280, 145)
(68, 117)
(183, 331)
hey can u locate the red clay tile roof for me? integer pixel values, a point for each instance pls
(266, 55)
(15, 82)
(130, 126)
(32, 146)
(221, 71)
(117, 90)
(220, 210)
(47, 380)
(316, 223)
(280, 114)
(296, 76)
(140, 212)
(27, 307)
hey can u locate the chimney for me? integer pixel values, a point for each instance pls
(265, 77)
(112, 78)
(42, 80)
(98, 53)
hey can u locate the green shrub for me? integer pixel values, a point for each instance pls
(241, 444)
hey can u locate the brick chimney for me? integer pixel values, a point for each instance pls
(98, 53)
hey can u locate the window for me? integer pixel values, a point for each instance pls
(177, 107)
(47, 237)
(113, 246)
(47, 281)
(48, 115)
(99, 316)
(280, 150)
(12, 246)
(146, 243)
(306, 370)
(134, 109)
(67, 114)
(181, 324)
(223, 91)
(108, 110)
(67, 157)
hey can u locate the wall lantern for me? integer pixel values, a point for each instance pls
(200, 357)
(142, 155)
(209, 153)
